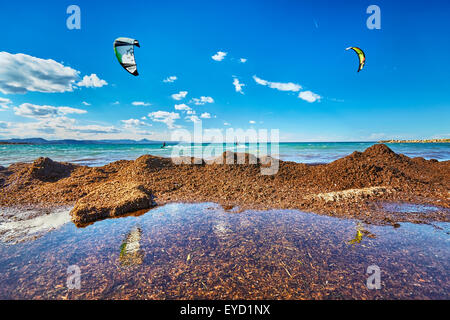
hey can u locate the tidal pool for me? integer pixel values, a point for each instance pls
(201, 251)
(402, 207)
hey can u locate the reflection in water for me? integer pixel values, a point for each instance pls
(360, 233)
(26, 225)
(130, 249)
(200, 251)
(402, 207)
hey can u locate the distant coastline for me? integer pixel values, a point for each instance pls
(417, 141)
(4, 142)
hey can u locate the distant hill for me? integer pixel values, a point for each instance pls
(70, 141)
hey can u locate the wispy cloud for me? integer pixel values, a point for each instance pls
(170, 79)
(238, 86)
(193, 118)
(86, 103)
(288, 86)
(58, 127)
(242, 60)
(35, 111)
(202, 100)
(133, 123)
(252, 122)
(141, 104)
(205, 115)
(219, 56)
(180, 95)
(4, 104)
(92, 81)
(165, 117)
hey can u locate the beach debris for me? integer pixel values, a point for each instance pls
(124, 50)
(130, 249)
(112, 199)
(285, 268)
(45, 169)
(348, 187)
(361, 57)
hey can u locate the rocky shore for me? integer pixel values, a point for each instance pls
(354, 186)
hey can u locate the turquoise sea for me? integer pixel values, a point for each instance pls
(305, 152)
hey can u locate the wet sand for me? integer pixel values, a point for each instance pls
(349, 187)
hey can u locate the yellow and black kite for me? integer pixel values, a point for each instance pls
(361, 56)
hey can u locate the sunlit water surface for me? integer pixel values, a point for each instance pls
(304, 152)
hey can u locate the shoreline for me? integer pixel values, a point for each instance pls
(352, 187)
(416, 141)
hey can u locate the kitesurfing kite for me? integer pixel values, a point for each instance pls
(361, 56)
(124, 50)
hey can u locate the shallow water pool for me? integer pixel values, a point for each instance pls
(200, 251)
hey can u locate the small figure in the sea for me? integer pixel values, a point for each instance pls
(164, 145)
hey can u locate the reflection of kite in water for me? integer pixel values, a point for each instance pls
(358, 238)
(124, 50)
(361, 56)
(130, 250)
(360, 234)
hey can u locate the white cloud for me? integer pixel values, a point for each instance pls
(205, 115)
(309, 96)
(4, 104)
(92, 81)
(243, 60)
(182, 107)
(193, 118)
(68, 110)
(133, 123)
(238, 86)
(165, 117)
(116, 103)
(219, 56)
(170, 79)
(289, 86)
(21, 73)
(190, 111)
(58, 127)
(202, 100)
(180, 95)
(141, 104)
(4, 101)
(86, 103)
(252, 122)
(227, 124)
(35, 111)
(144, 118)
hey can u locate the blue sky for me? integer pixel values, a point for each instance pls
(401, 93)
